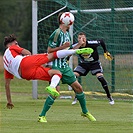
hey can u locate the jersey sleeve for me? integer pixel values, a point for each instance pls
(103, 45)
(96, 43)
(8, 75)
(54, 39)
(16, 48)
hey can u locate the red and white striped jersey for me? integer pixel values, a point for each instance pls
(12, 59)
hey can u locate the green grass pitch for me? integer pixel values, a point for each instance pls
(64, 117)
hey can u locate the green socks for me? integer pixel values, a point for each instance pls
(50, 100)
(82, 101)
(48, 103)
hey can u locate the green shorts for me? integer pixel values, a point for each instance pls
(68, 76)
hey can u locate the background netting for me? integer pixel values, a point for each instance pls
(109, 20)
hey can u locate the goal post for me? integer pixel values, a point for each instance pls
(34, 43)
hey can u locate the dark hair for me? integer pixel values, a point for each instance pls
(9, 39)
(59, 15)
(82, 33)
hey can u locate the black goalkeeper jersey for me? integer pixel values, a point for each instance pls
(94, 56)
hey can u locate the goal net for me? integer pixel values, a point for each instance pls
(109, 20)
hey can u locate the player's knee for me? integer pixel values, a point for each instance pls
(55, 72)
(77, 87)
(58, 73)
(76, 74)
(102, 80)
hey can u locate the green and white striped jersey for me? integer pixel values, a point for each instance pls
(58, 38)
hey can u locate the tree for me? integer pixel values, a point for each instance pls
(15, 19)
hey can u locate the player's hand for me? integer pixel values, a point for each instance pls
(81, 41)
(66, 45)
(9, 105)
(108, 56)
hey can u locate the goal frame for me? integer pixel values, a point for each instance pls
(35, 33)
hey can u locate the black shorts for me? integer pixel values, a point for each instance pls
(84, 68)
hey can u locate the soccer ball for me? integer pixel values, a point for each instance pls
(67, 18)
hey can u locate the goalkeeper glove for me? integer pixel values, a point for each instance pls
(9, 105)
(108, 56)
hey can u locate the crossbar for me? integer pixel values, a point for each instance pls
(103, 10)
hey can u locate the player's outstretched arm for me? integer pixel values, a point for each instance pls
(107, 55)
(25, 52)
(64, 46)
(8, 94)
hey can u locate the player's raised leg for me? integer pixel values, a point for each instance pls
(64, 53)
